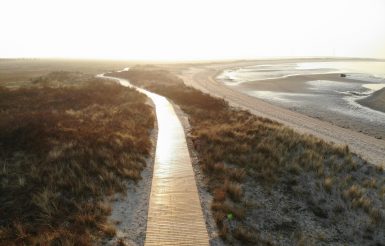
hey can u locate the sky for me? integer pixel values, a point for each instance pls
(191, 30)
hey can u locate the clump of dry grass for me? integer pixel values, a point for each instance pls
(121, 243)
(234, 190)
(362, 202)
(62, 150)
(376, 215)
(370, 183)
(354, 192)
(244, 235)
(328, 184)
(219, 195)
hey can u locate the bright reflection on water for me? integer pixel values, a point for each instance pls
(374, 87)
(175, 215)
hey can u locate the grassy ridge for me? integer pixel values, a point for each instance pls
(62, 150)
(271, 185)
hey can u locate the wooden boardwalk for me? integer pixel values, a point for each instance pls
(175, 215)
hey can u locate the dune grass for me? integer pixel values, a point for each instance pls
(321, 189)
(62, 151)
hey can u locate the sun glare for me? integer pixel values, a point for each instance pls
(197, 29)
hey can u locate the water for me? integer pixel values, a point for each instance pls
(335, 100)
(365, 71)
(268, 71)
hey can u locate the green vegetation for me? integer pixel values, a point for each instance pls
(62, 151)
(281, 187)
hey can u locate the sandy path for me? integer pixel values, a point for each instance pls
(202, 77)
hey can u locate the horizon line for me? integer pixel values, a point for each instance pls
(194, 60)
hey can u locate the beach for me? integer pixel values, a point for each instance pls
(349, 100)
(361, 136)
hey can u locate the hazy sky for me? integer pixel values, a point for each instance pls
(196, 29)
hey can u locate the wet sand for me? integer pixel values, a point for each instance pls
(328, 97)
(375, 101)
(292, 84)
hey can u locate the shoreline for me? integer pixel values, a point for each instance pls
(202, 77)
